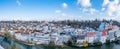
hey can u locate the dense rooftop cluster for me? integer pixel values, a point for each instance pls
(59, 33)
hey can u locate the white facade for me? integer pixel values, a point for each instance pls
(111, 36)
(21, 37)
(118, 33)
(103, 39)
(91, 39)
(42, 40)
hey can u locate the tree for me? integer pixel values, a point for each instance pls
(14, 46)
(7, 35)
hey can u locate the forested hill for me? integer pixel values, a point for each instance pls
(73, 23)
(86, 23)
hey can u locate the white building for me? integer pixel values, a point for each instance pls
(91, 37)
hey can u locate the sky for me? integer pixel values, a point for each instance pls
(59, 9)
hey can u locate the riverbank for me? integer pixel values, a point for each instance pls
(9, 44)
(32, 44)
(49, 45)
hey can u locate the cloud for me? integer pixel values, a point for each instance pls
(84, 9)
(64, 14)
(58, 11)
(84, 3)
(113, 7)
(64, 5)
(105, 2)
(18, 2)
(103, 9)
(92, 10)
(86, 6)
(109, 8)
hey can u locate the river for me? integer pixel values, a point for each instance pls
(8, 44)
